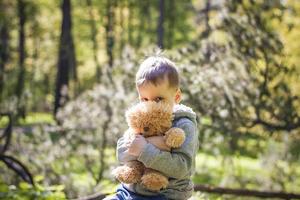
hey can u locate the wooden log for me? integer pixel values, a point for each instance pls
(246, 192)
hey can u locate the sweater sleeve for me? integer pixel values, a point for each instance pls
(177, 163)
(122, 151)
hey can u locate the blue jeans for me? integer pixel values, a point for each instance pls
(124, 194)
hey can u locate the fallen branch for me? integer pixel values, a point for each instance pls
(97, 196)
(246, 192)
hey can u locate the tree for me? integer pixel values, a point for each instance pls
(241, 82)
(171, 15)
(21, 75)
(94, 40)
(144, 14)
(160, 24)
(109, 28)
(4, 43)
(276, 106)
(67, 59)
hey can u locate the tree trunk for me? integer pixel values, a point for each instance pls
(21, 75)
(103, 144)
(160, 27)
(171, 22)
(122, 38)
(144, 12)
(110, 31)
(94, 40)
(35, 55)
(207, 31)
(129, 24)
(66, 58)
(4, 44)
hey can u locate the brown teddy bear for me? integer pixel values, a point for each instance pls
(149, 119)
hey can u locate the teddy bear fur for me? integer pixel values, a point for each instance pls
(148, 119)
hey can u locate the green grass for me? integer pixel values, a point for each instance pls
(31, 118)
(247, 173)
(37, 118)
(214, 169)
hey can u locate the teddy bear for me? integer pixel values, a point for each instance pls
(149, 119)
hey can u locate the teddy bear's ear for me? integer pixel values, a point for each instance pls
(131, 110)
(134, 113)
(129, 114)
(164, 108)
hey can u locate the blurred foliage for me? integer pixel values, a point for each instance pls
(25, 191)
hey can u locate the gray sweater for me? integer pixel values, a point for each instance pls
(178, 165)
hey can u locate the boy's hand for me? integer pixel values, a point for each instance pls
(137, 145)
(159, 142)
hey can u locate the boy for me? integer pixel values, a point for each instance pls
(157, 80)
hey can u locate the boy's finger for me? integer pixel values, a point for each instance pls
(138, 136)
(127, 144)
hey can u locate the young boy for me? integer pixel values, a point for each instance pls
(157, 80)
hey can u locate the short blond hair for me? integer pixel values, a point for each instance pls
(154, 69)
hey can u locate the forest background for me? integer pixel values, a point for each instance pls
(67, 73)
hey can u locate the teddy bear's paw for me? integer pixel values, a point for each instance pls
(154, 181)
(129, 173)
(175, 137)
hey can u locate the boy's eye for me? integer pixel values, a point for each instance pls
(158, 99)
(144, 99)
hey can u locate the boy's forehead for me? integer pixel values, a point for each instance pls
(150, 88)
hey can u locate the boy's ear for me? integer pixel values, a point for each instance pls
(178, 96)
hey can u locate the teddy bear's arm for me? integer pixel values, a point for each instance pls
(159, 142)
(175, 137)
(178, 162)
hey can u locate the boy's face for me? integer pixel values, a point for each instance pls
(160, 92)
